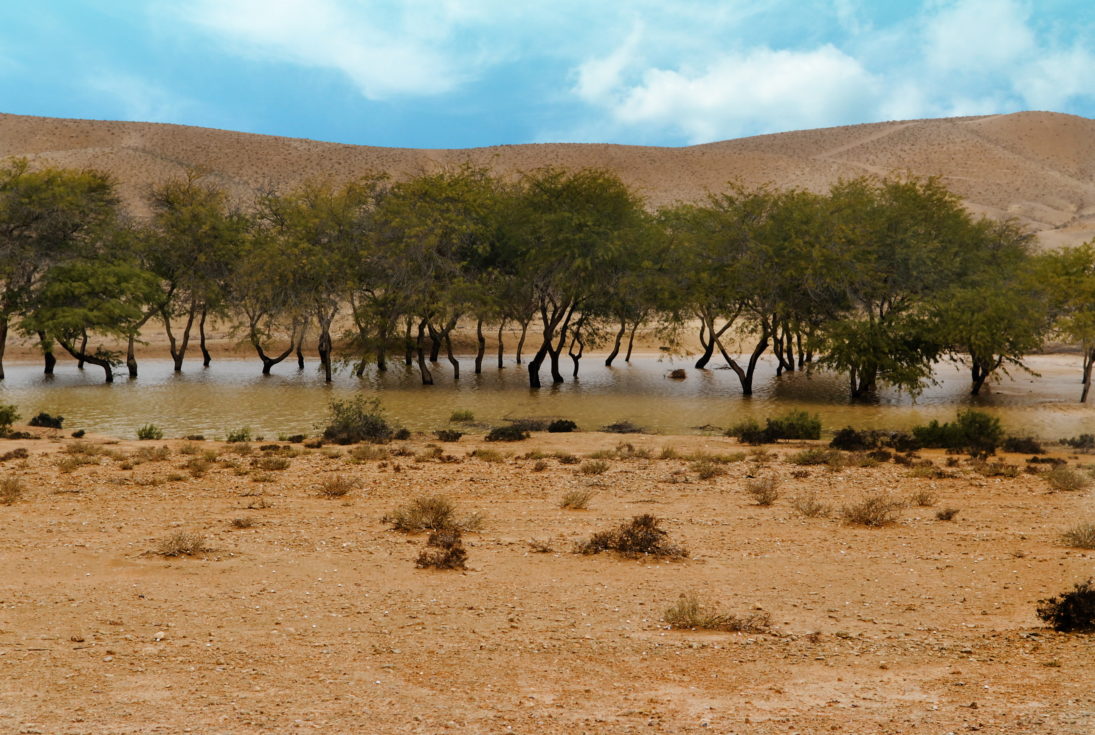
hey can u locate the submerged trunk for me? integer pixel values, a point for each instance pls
(206, 357)
(90, 359)
(1089, 360)
(745, 375)
(630, 342)
(427, 376)
(3, 342)
(83, 349)
(616, 343)
(131, 356)
(49, 358)
(300, 347)
(452, 358)
(435, 342)
(482, 341)
(501, 347)
(408, 346)
(576, 356)
(324, 348)
(521, 341)
(178, 349)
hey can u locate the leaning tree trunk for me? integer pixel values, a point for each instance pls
(78, 354)
(745, 375)
(178, 348)
(521, 341)
(131, 352)
(206, 357)
(3, 342)
(576, 356)
(435, 343)
(1089, 360)
(482, 349)
(48, 356)
(420, 349)
(630, 342)
(501, 347)
(452, 359)
(616, 344)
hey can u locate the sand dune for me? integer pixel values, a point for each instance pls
(1038, 167)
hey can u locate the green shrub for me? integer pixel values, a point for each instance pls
(792, 425)
(1083, 442)
(1071, 612)
(748, 432)
(238, 436)
(562, 426)
(510, 433)
(9, 414)
(149, 432)
(357, 419)
(974, 432)
(462, 416)
(448, 435)
(46, 421)
(1023, 445)
(853, 440)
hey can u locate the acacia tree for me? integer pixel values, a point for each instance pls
(46, 216)
(1069, 276)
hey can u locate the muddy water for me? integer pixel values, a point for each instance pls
(232, 394)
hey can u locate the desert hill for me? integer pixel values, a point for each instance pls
(1038, 167)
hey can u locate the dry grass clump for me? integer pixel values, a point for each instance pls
(923, 498)
(271, 464)
(430, 513)
(763, 490)
(946, 514)
(242, 522)
(488, 455)
(808, 506)
(994, 469)
(182, 543)
(593, 467)
(641, 536)
(689, 612)
(1063, 477)
(368, 453)
(445, 550)
(337, 486)
(151, 454)
(873, 511)
(816, 456)
(197, 466)
(707, 469)
(1080, 537)
(566, 458)
(576, 499)
(11, 489)
(669, 453)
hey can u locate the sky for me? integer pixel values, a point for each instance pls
(466, 73)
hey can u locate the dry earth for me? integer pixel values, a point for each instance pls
(315, 618)
(1038, 167)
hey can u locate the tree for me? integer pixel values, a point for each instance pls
(1069, 276)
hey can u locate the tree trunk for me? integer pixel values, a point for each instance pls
(435, 342)
(178, 349)
(92, 359)
(521, 341)
(576, 356)
(3, 342)
(324, 348)
(131, 356)
(631, 342)
(269, 362)
(49, 358)
(408, 346)
(534, 366)
(427, 376)
(206, 357)
(501, 348)
(482, 346)
(616, 344)
(745, 375)
(83, 349)
(452, 359)
(1089, 360)
(300, 346)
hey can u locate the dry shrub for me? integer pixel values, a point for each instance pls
(566, 458)
(151, 454)
(11, 489)
(946, 514)
(540, 547)
(539, 466)
(182, 543)
(994, 469)
(641, 536)
(669, 453)
(763, 490)
(17, 453)
(808, 506)
(488, 455)
(594, 467)
(445, 550)
(368, 453)
(576, 499)
(271, 464)
(337, 486)
(1071, 612)
(873, 511)
(197, 466)
(923, 498)
(1063, 477)
(429, 513)
(689, 612)
(817, 455)
(707, 469)
(1080, 537)
(242, 522)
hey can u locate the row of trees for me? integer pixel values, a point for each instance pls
(877, 278)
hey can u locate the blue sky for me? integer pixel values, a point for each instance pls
(463, 73)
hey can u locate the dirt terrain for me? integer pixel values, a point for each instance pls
(1037, 167)
(315, 619)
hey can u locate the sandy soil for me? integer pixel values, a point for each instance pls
(315, 619)
(1038, 167)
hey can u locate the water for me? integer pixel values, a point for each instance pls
(232, 394)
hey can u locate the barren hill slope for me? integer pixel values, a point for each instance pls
(1036, 166)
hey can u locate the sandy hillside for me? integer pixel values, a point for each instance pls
(307, 614)
(1036, 166)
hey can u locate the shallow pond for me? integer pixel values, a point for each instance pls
(232, 394)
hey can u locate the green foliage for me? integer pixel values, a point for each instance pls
(792, 425)
(975, 432)
(508, 433)
(562, 426)
(47, 421)
(9, 414)
(149, 432)
(238, 436)
(357, 419)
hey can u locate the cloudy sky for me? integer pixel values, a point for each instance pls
(461, 73)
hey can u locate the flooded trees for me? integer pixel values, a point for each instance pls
(1069, 275)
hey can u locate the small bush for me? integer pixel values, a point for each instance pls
(357, 419)
(461, 416)
(815, 456)
(923, 498)
(448, 435)
(691, 613)
(46, 421)
(1072, 611)
(540, 465)
(149, 432)
(367, 453)
(566, 458)
(808, 506)
(852, 440)
(708, 469)
(1080, 537)
(17, 453)
(873, 511)
(593, 467)
(11, 489)
(623, 427)
(748, 432)
(182, 543)
(242, 522)
(576, 499)
(238, 436)
(271, 464)
(562, 426)
(1083, 442)
(488, 455)
(429, 513)
(337, 486)
(1069, 479)
(511, 433)
(669, 453)
(9, 414)
(946, 514)
(974, 432)
(197, 466)
(792, 425)
(445, 550)
(1023, 445)
(641, 536)
(764, 490)
(194, 438)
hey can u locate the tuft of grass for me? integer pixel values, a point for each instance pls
(566, 458)
(182, 543)
(593, 467)
(923, 498)
(808, 506)
(337, 486)
(448, 435)
(237, 436)
(197, 466)
(669, 453)
(946, 514)
(461, 416)
(429, 513)
(539, 466)
(540, 547)
(444, 550)
(11, 489)
(242, 522)
(764, 490)
(994, 469)
(689, 612)
(873, 511)
(271, 464)
(708, 469)
(509, 433)
(816, 456)
(1069, 479)
(149, 432)
(1080, 537)
(368, 453)
(576, 499)
(641, 536)
(488, 455)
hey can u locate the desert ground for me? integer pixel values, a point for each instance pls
(1035, 167)
(306, 613)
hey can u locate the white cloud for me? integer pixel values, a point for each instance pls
(974, 36)
(137, 98)
(1052, 81)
